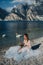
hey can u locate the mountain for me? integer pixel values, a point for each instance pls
(29, 12)
(18, 13)
(3, 13)
(23, 12)
(35, 13)
(12, 16)
(39, 9)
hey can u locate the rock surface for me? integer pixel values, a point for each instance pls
(23, 12)
(34, 60)
(3, 14)
(12, 17)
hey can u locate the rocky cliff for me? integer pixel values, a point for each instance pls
(23, 12)
(3, 14)
(13, 17)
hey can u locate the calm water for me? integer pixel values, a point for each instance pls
(10, 28)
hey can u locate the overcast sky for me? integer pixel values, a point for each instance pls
(9, 4)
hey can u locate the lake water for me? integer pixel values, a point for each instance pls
(10, 28)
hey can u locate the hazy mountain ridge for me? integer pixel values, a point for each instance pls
(3, 14)
(23, 12)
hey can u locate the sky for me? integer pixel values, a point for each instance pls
(10, 4)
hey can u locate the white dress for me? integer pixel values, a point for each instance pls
(24, 53)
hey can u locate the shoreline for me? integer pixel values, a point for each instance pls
(3, 60)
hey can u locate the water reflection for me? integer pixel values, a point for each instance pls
(34, 29)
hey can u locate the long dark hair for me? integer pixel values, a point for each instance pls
(26, 36)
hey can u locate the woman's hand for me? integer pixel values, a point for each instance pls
(28, 44)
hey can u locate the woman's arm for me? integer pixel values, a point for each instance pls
(28, 44)
(22, 45)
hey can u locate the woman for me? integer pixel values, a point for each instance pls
(26, 42)
(18, 52)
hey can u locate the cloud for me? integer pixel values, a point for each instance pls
(24, 1)
(10, 4)
(14, 1)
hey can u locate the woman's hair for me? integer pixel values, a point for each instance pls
(26, 36)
